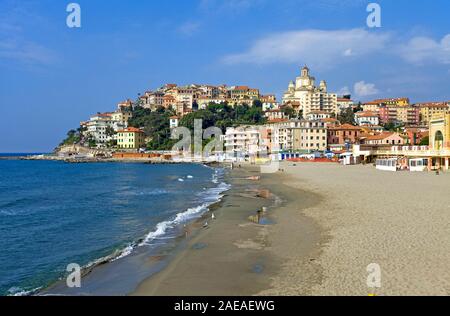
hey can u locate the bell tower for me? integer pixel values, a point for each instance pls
(305, 72)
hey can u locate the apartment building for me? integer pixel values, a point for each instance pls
(343, 136)
(242, 142)
(309, 135)
(428, 110)
(409, 115)
(100, 128)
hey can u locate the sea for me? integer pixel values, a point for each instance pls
(107, 218)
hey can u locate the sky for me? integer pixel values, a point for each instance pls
(52, 76)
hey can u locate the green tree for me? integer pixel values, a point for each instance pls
(347, 117)
(288, 111)
(73, 137)
(425, 141)
(257, 104)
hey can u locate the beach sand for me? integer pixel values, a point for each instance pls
(400, 221)
(327, 224)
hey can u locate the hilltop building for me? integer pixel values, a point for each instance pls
(309, 96)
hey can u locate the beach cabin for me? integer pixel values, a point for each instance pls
(348, 159)
(386, 164)
(418, 165)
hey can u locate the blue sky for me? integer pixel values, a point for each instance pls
(52, 77)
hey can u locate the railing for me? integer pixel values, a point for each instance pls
(420, 151)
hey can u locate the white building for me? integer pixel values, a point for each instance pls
(317, 115)
(119, 120)
(205, 101)
(309, 96)
(275, 115)
(242, 142)
(98, 127)
(367, 118)
(174, 122)
(344, 104)
(282, 134)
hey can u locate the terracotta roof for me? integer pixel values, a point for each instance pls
(366, 114)
(131, 130)
(432, 105)
(241, 88)
(345, 127)
(380, 136)
(278, 121)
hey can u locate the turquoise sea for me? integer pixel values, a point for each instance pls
(53, 214)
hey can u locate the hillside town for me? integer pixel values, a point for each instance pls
(310, 123)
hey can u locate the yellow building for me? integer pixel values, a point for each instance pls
(130, 138)
(440, 132)
(429, 110)
(393, 101)
(121, 116)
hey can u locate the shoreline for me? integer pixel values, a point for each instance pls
(94, 275)
(236, 256)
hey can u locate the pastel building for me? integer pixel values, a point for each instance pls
(385, 138)
(343, 136)
(436, 156)
(428, 110)
(130, 138)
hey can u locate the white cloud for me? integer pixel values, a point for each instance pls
(344, 91)
(14, 42)
(318, 48)
(363, 89)
(424, 50)
(348, 52)
(26, 52)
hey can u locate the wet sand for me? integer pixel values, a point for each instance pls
(238, 257)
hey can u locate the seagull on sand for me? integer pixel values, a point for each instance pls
(213, 216)
(205, 225)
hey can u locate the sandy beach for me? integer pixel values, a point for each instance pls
(325, 224)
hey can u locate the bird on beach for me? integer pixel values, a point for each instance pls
(205, 225)
(213, 216)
